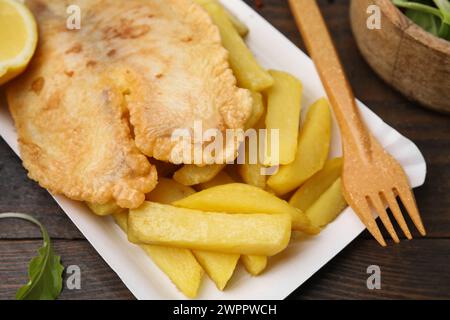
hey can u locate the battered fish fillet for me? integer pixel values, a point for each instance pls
(74, 138)
(95, 100)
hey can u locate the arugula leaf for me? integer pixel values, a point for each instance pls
(427, 21)
(417, 6)
(444, 32)
(44, 271)
(431, 15)
(444, 7)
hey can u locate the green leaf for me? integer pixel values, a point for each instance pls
(44, 270)
(427, 21)
(444, 31)
(431, 15)
(444, 8)
(417, 6)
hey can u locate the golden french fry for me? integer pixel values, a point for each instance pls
(191, 175)
(104, 209)
(243, 198)
(258, 110)
(240, 27)
(219, 266)
(255, 265)
(121, 218)
(179, 265)
(168, 191)
(220, 179)
(248, 72)
(312, 151)
(328, 206)
(283, 114)
(317, 185)
(253, 234)
(251, 174)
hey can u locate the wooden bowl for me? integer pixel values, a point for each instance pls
(406, 56)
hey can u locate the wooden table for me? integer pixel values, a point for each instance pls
(419, 269)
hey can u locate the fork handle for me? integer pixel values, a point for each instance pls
(320, 46)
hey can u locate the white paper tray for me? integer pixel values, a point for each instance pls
(293, 267)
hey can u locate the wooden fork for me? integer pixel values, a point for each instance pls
(372, 179)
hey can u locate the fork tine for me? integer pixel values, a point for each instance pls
(362, 209)
(380, 208)
(389, 197)
(409, 202)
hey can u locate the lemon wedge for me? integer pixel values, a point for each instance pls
(18, 38)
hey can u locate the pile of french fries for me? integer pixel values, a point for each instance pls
(207, 219)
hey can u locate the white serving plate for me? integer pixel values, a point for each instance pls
(293, 267)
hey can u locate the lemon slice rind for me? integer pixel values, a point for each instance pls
(10, 68)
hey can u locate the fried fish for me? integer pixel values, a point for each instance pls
(98, 100)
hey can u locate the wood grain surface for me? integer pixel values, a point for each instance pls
(412, 270)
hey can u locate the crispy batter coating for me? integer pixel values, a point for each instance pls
(95, 101)
(75, 139)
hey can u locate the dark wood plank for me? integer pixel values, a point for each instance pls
(413, 270)
(98, 281)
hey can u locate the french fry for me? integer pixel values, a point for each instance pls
(191, 175)
(168, 191)
(248, 72)
(258, 110)
(104, 209)
(251, 174)
(121, 218)
(261, 124)
(312, 151)
(220, 179)
(255, 265)
(283, 114)
(219, 266)
(243, 198)
(240, 27)
(328, 206)
(179, 265)
(252, 234)
(317, 185)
